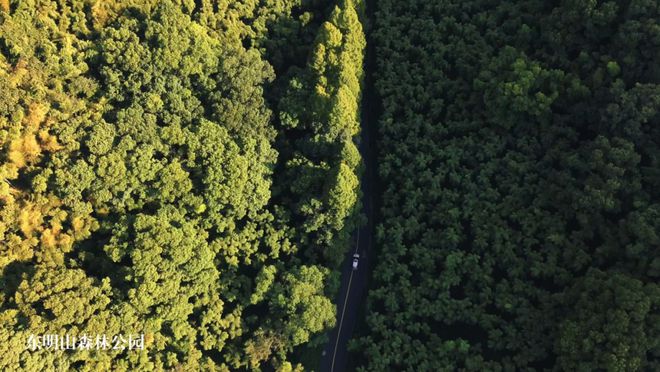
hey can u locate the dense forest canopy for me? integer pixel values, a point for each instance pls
(147, 149)
(188, 172)
(519, 155)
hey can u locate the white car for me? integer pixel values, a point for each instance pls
(356, 257)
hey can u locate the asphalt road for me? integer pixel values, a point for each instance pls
(353, 290)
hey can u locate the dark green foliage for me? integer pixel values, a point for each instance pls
(612, 324)
(519, 158)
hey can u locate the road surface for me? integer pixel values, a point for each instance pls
(353, 290)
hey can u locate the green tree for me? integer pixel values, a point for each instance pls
(612, 324)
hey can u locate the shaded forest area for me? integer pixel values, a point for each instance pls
(186, 170)
(519, 155)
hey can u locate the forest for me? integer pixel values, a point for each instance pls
(189, 174)
(519, 157)
(147, 150)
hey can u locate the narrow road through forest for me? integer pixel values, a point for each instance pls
(353, 290)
